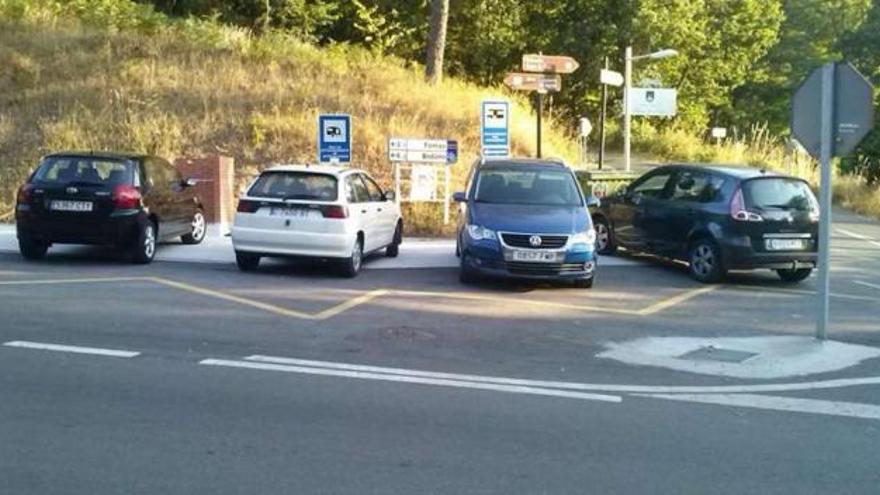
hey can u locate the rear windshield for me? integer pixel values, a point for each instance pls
(779, 194)
(86, 171)
(295, 185)
(527, 186)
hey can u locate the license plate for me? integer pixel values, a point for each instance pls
(293, 212)
(784, 244)
(61, 205)
(534, 256)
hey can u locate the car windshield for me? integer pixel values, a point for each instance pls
(85, 171)
(295, 185)
(527, 186)
(779, 194)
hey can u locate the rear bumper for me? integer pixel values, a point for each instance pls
(739, 257)
(292, 243)
(117, 229)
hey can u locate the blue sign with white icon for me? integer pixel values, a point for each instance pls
(334, 138)
(451, 152)
(495, 128)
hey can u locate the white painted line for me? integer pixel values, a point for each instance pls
(866, 284)
(411, 379)
(788, 404)
(599, 387)
(71, 348)
(854, 235)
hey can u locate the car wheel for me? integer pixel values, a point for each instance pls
(144, 248)
(465, 274)
(32, 250)
(705, 264)
(794, 274)
(247, 262)
(393, 249)
(199, 229)
(584, 283)
(352, 266)
(604, 237)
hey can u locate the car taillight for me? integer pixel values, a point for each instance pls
(334, 211)
(738, 209)
(126, 197)
(247, 206)
(24, 194)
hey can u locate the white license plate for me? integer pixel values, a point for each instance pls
(61, 205)
(784, 244)
(294, 212)
(534, 256)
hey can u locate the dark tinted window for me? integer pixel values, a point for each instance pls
(700, 187)
(373, 189)
(779, 194)
(295, 185)
(86, 170)
(527, 185)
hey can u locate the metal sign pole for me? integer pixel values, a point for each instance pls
(602, 121)
(446, 198)
(540, 111)
(627, 84)
(827, 136)
(397, 182)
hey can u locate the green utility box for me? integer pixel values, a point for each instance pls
(603, 183)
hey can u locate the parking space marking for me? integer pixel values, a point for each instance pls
(866, 284)
(860, 237)
(73, 280)
(363, 375)
(786, 404)
(803, 292)
(71, 348)
(676, 300)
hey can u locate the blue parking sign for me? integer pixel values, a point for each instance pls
(495, 128)
(334, 138)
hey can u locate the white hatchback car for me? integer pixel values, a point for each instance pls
(315, 211)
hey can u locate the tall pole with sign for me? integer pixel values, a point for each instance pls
(627, 118)
(606, 77)
(831, 112)
(540, 74)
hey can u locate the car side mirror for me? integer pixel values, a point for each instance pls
(390, 196)
(189, 182)
(459, 197)
(593, 202)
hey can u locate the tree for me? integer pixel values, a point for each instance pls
(436, 41)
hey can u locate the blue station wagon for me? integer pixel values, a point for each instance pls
(527, 219)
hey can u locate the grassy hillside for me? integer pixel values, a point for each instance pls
(110, 74)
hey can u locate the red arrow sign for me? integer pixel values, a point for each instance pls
(533, 82)
(555, 64)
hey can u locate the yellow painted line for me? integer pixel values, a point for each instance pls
(510, 300)
(351, 303)
(675, 300)
(74, 281)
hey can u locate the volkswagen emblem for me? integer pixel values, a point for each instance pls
(535, 241)
(72, 190)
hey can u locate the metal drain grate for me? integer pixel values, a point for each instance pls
(710, 353)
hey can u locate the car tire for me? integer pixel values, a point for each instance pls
(247, 262)
(704, 261)
(794, 275)
(393, 249)
(604, 237)
(584, 283)
(352, 265)
(32, 250)
(143, 250)
(199, 229)
(465, 274)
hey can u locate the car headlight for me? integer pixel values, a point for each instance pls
(479, 233)
(588, 238)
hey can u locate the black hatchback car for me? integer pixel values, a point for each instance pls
(716, 218)
(127, 201)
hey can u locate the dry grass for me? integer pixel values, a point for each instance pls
(191, 88)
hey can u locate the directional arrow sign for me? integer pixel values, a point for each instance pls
(610, 77)
(533, 82)
(554, 64)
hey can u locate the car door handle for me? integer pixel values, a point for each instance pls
(363, 211)
(378, 209)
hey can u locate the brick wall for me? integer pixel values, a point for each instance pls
(215, 176)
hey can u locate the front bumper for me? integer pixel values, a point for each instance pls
(488, 260)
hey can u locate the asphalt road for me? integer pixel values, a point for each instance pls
(195, 378)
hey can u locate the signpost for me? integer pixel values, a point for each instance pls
(334, 138)
(541, 75)
(719, 133)
(607, 78)
(421, 154)
(831, 112)
(495, 128)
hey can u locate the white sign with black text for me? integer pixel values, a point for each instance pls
(653, 102)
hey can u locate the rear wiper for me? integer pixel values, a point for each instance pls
(83, 183)
(300, 196)
(784, 207)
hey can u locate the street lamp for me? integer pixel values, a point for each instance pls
(627, 84)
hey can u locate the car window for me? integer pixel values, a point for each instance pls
(779, 194)
(373, 189)
(356, 191)
(699, 187)
(653, 186)
(295, 185)
(87, 170)
(527, 185)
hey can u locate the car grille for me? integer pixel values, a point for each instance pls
(547, 241)
(544, 269)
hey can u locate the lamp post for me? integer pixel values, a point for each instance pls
(627, 84)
